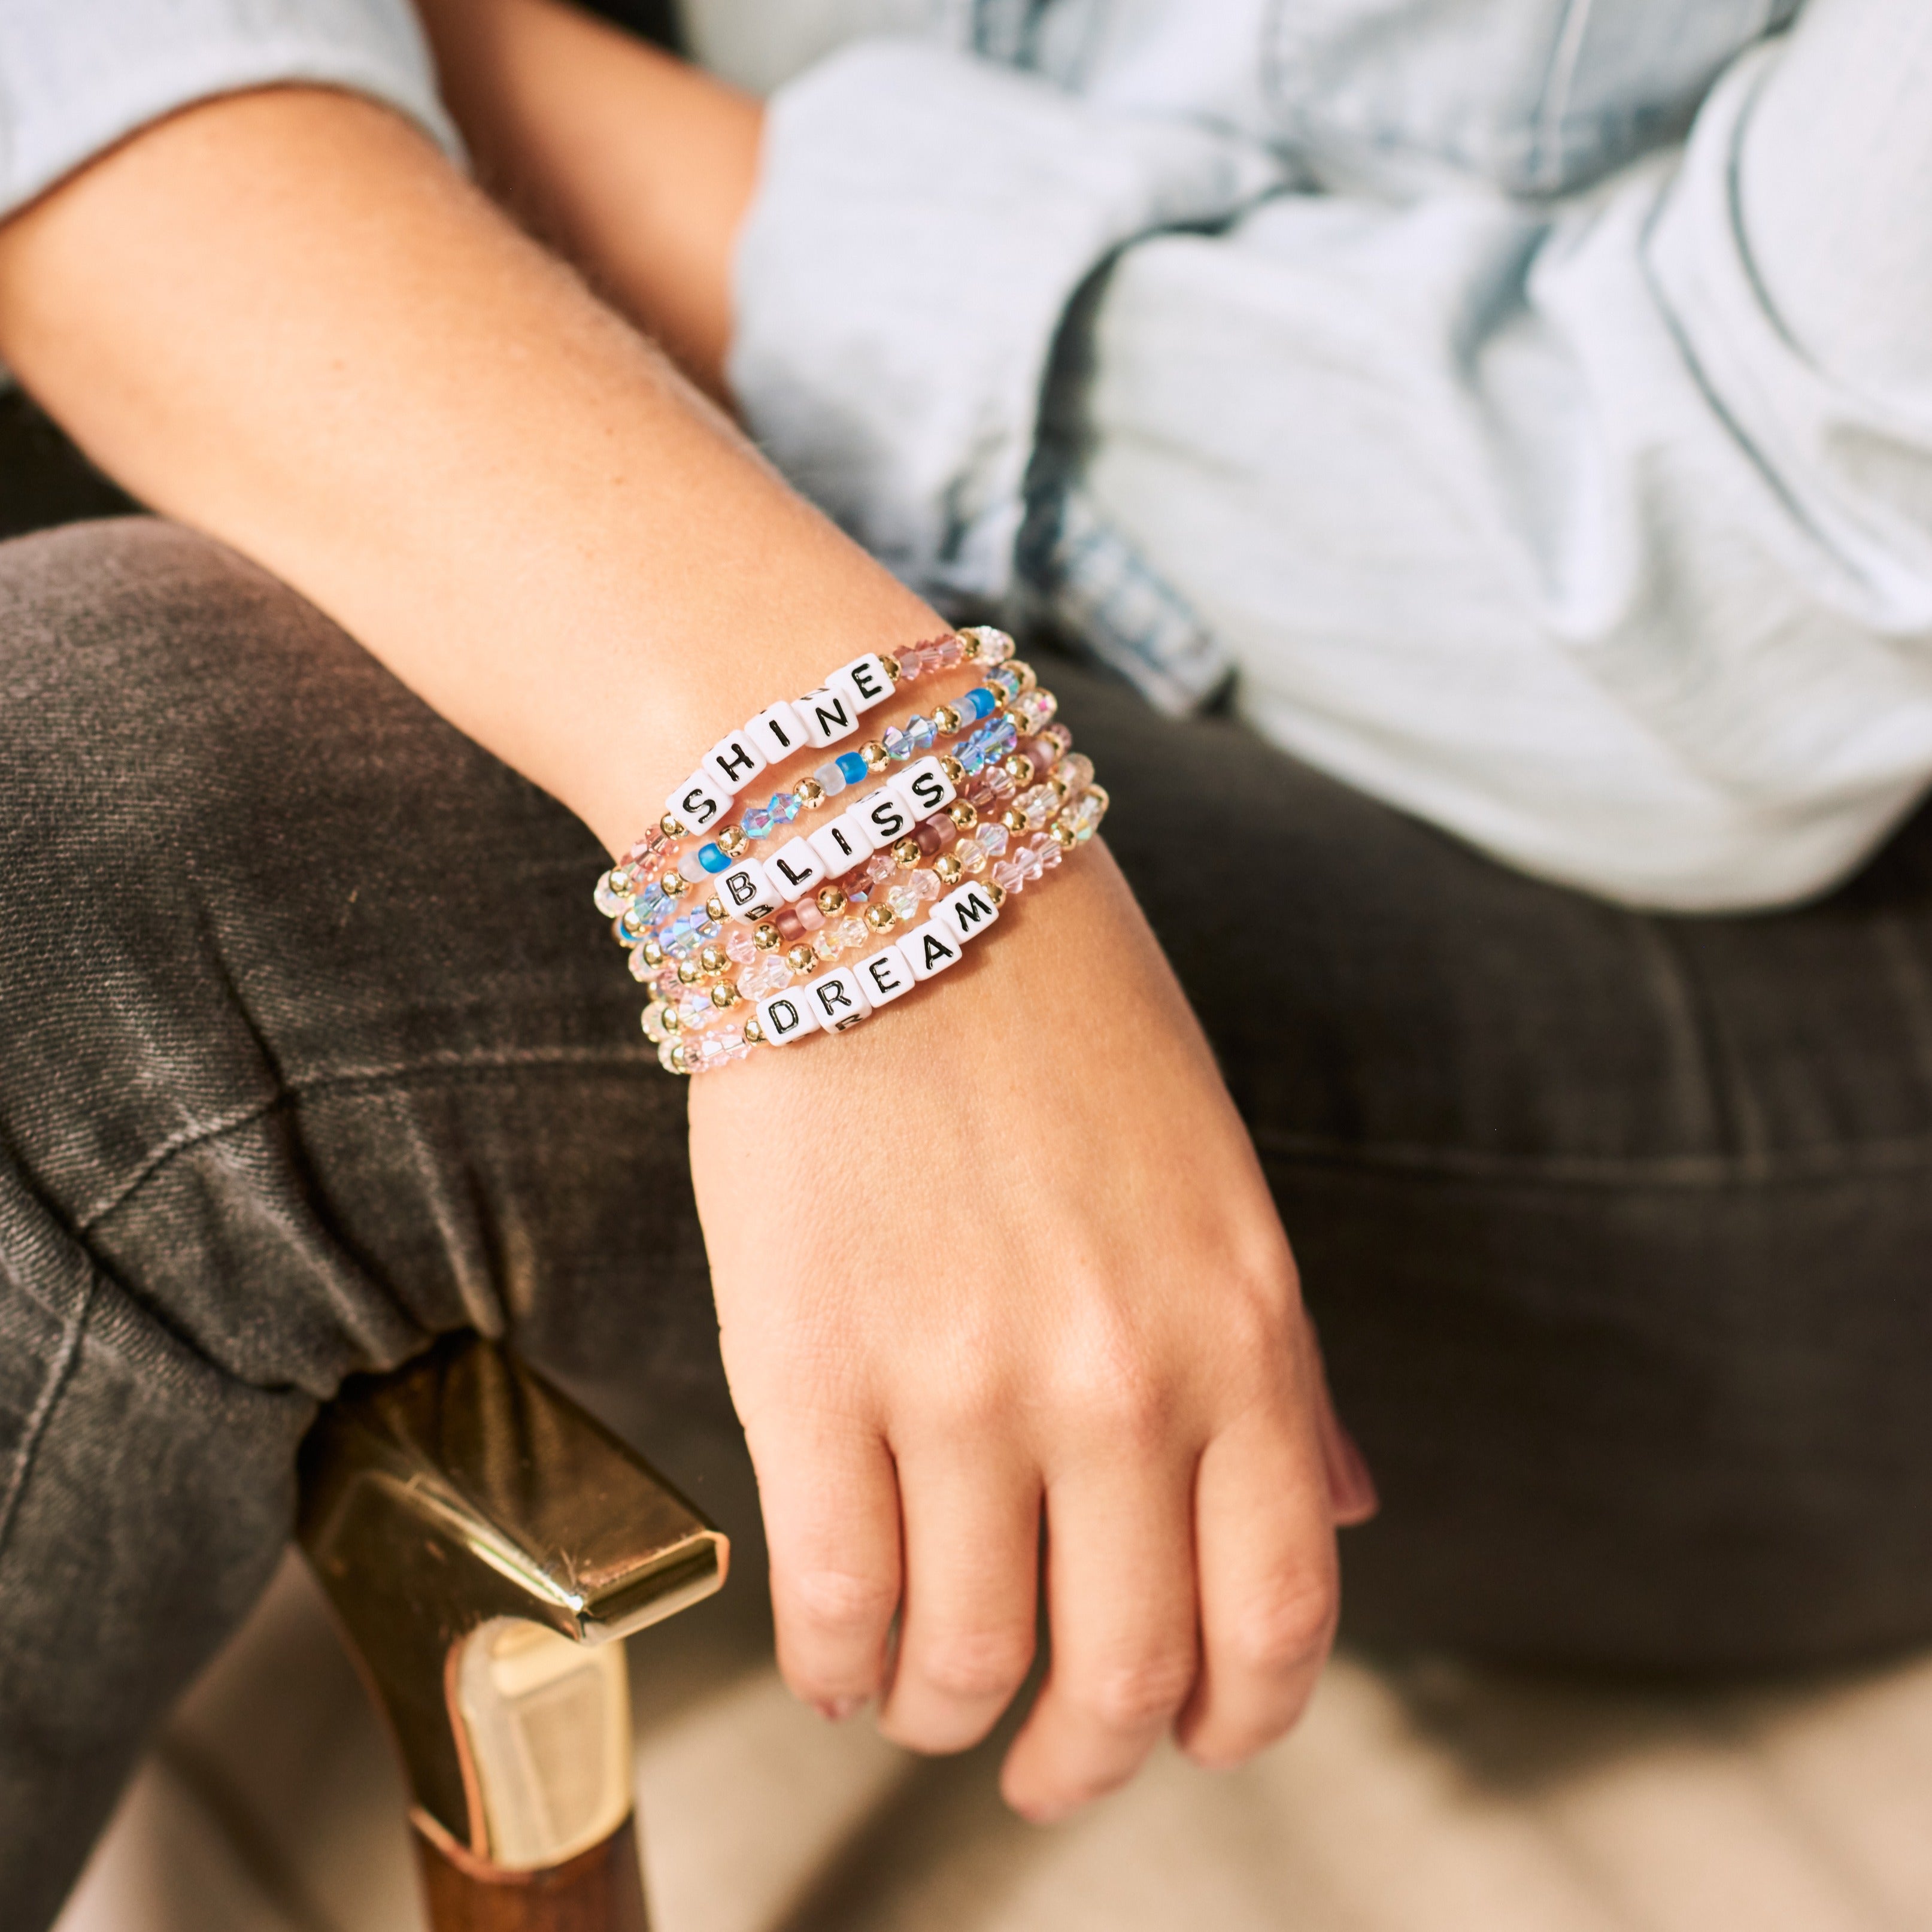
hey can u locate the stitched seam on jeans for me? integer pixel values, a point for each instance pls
(58, 1374)
(204, 1131)
(1876, 1160)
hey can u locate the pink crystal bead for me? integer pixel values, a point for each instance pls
(655, 1029)
(991, 838)
(947, 653)
(612, 894)
(641, 969)
(880, 867)
(1040, 803)
(1058, 736)
(768, 975)
(1076, 769)
(739, 947)
(1046, 848)
(926, 885)
(971, 854)
(694, 1007)
(646, 849)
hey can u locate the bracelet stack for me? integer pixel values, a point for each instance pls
(823, 928)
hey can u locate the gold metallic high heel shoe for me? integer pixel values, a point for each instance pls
(483, 1541)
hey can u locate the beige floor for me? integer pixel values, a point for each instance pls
(1431, 1800)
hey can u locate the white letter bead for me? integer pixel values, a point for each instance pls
(838, 1002)
(777, 732)
(786, 1016)
(734, 762)
(929, 949)
(747, 891)
(826, 715)
(865, 678)
(884, 977)
(697, 802)
(795, 869)
(968, 911)
(884, 814)
(840, 846)
(924, 787)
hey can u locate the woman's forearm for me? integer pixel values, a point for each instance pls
(285, 318)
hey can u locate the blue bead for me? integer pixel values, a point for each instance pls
(785, 808)
(922, 731)
(898, 746)
(757, 822)
(711, 858)
(851, 767)
(983, 702)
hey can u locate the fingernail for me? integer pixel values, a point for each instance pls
(836, 1710)
(1355, 1499)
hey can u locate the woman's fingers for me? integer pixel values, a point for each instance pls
(1120, 1608)
(1265, 1561)
(966, 1633)
(830, 1502)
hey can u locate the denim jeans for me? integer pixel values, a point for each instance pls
(1615, 1226)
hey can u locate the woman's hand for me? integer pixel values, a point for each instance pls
(1004, 1257)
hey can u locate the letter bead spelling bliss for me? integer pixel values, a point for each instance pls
(901, 878)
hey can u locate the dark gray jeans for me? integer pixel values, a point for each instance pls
(1617, 1228)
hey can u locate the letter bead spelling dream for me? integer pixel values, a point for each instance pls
(835, 921)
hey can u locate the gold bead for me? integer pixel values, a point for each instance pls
(1024, 672)
(809, 793)
(712, 959)
(733, 840)
(906, 852)
(688, 974)
(1099, 794)
(1062, 791)
(1014, 819)
(753, 1033)
(766, 937)
(949, 869)
(831, 900)
(891, 664)
(954, 770)
(673, 1021)
(801, 958)
(879, 918)
(970, 641)
(679, 1064)
(653, 952)
(674, 885)
(876, 756)
(997, 894)
(670, 826)
(962, 815)
(714, 909)
(1063, 836)
(1018, 768)
(723, 994)
(948, 721)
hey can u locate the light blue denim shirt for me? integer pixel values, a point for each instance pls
(1532, 400)
(1529, 400)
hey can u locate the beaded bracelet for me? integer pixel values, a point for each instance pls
(789, 895)
(838, 999)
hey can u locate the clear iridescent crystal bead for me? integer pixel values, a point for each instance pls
(641, 968)
(995, 646)
(612, 894)
(1033, 709)
(990, 837)
(668, 1054)
(852, 932)
(904, 902)
(1039, 802)
(655, 1029)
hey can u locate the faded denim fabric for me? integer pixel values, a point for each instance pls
(1532, 400)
